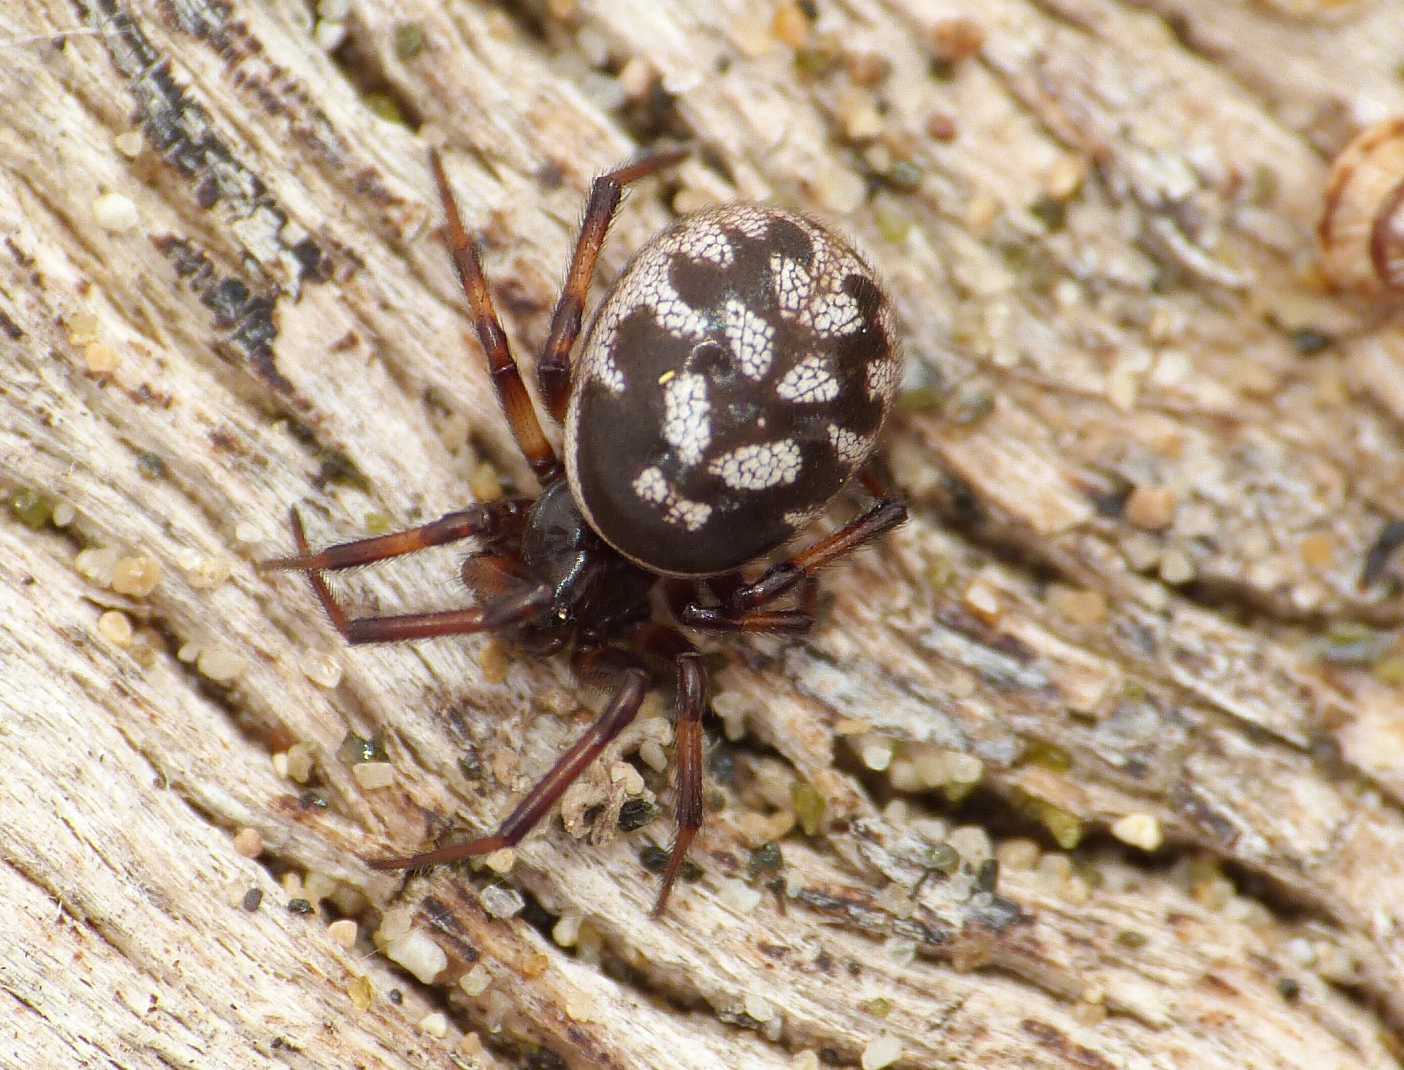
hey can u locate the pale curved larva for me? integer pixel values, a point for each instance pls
(1362, 222)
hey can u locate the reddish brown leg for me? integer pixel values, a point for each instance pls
(782, 578)
(687, 610)
(622, 709)
(506, 378)
(772, 622)
(502, 613)
(692, 703)
(807, 596)
(742, 612)
(553, 370)
(485, 521)
(875, 478)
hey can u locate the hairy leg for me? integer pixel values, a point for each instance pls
(622, 709)
(692, 704)
(504, 612)
(553, 371)
(743, 608)
(506, 377)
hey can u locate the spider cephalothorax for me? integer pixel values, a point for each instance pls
(733, 380)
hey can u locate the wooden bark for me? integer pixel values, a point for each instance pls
(1105, 277)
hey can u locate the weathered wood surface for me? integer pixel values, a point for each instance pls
(281, 312)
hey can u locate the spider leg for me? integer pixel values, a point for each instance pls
(763, 622)
(659, 643)
(490, 521)
(692, 704)
(506, 377)
(503, 612)
(553, 370)
(683, 598)
(622, 709)
(743, 609)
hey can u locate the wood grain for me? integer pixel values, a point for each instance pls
(1149, 457)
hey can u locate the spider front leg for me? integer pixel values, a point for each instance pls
(553, 370)
(503, 612)
(506, 377)
(491, 522)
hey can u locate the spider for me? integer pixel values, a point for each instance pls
(732, 381)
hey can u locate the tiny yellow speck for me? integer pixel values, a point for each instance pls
(667, 377)
(1139, 830)
(343, 932)
(115, 627)
(248, 843)
(501, 860)
(362, 992)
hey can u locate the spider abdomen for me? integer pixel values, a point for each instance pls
(735, 377)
